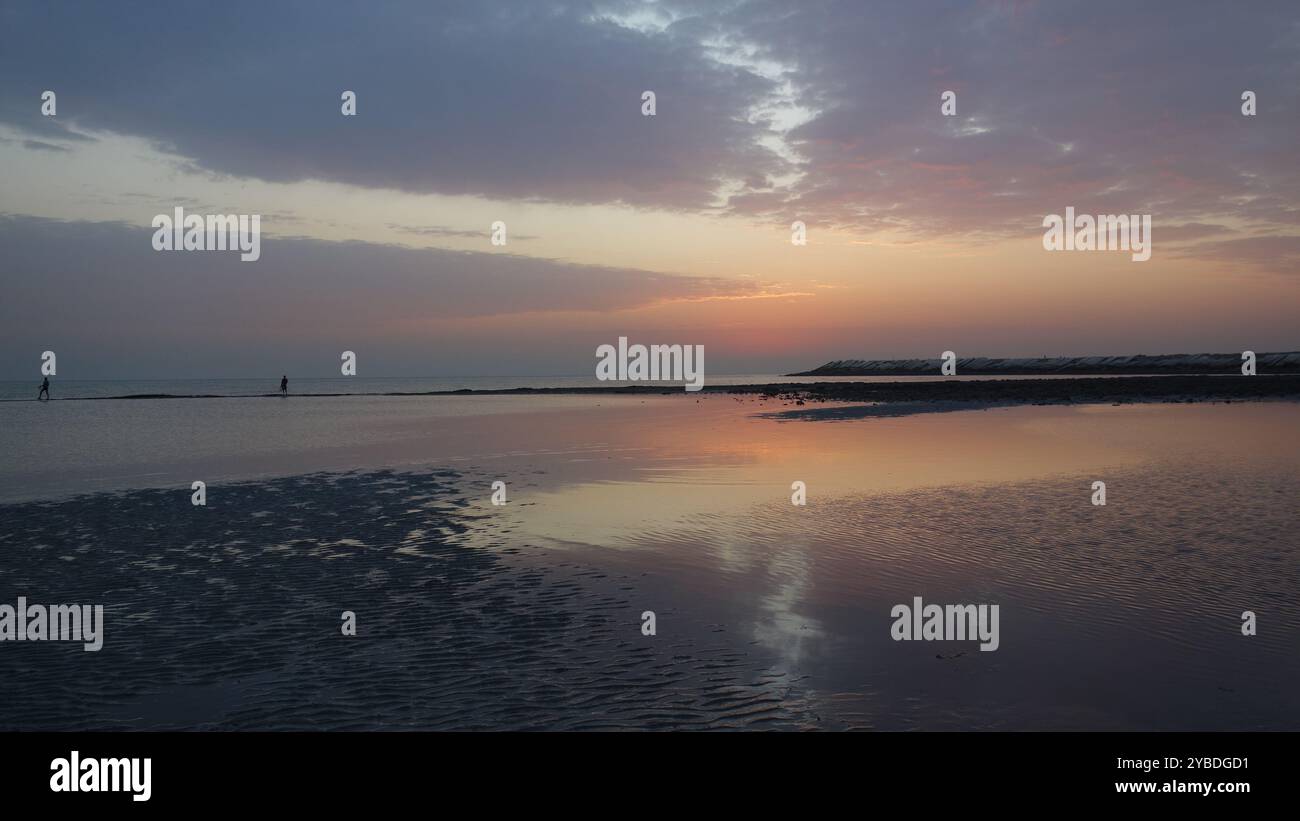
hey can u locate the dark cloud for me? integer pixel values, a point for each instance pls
(96, 286)
(37, 145)
(441, 231)
(527, 100)
(1270, 254)
(1110, 107)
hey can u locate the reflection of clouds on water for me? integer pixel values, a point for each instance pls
(1116, 617)
(779, 625)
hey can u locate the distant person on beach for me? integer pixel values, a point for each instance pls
(284, 385)
(45, 389)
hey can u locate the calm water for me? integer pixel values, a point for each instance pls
(769, 614)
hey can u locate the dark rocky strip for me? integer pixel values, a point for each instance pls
(1046, 391)
(1061, 390)
(1163, 364)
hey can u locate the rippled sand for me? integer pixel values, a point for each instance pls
(228, 617)
(769, 615)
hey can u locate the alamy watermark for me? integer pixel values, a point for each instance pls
(215, 232)
(1105, 232)
(953, 622)
(56, 622)
(77, 774)
(653, 363)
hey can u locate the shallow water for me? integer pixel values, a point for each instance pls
(768, 614)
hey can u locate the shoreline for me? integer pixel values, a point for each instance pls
(1141, 364)
(1059, 390)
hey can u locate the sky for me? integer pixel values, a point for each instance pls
(924, 231)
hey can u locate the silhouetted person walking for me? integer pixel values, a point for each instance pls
(45, 389)
(284, 385)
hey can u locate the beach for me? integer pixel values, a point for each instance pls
(529, 615)
(475, 373)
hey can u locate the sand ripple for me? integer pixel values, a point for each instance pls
(227, 617)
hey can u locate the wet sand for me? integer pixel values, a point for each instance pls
(990, 392)
(228, 617)
(527, 616)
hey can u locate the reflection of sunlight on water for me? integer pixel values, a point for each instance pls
(780, 626)
(719, 460)
(1107, 611)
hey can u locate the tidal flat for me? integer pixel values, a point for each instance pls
(528, 615)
